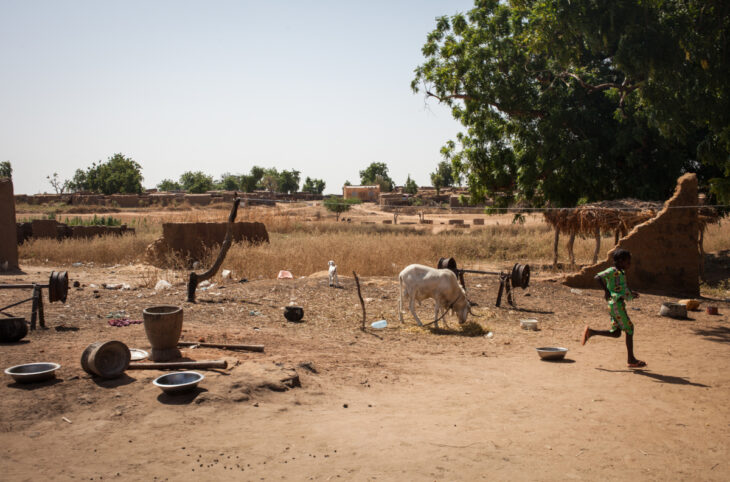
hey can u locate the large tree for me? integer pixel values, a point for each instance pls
(117, 175)
(313, 185)
(563, 100)
(443, 176)
(196, 182)
(289, 181)
(377, 173)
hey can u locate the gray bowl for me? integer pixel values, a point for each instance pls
(178, 382)
(33, 372)
(552, 352)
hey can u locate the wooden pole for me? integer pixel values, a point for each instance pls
(259, 348)
(598, 245)
(362, 302)
(179, 365)
(569, 245)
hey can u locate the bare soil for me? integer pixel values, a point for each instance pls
(402, 403)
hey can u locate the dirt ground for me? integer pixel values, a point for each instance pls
(401, 403)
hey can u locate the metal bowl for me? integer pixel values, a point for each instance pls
(552, 352)
(178, 382)
(33, 372)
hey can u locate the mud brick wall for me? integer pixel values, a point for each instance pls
(198, 199)
(44, 228)
(192, 240)
(8, 228)
(665, 255)
(125, 200)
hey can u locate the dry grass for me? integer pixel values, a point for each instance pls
(302, 243)
(106, 250)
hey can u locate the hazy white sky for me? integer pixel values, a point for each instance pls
(318, 86)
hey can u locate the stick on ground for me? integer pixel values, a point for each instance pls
(362, 303)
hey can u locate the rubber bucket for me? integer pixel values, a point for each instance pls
(106, 359)
(163, 326)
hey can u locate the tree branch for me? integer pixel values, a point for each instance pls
(534, 114)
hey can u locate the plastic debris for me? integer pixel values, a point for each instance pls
(163, 285)
(576, 291)
(226, 274)
(379, 325)
(283, 274)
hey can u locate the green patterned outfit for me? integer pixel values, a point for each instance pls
(615, 280)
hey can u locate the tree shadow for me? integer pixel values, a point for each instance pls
(718, 334)
(717, 267)
(672, 380)
(182, 398)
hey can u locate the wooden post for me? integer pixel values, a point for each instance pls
(569, 245)
(598, 245)
(362, 302)
(196, 278)
(555, 247)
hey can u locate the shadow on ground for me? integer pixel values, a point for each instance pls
(719, 333)
(672, 380)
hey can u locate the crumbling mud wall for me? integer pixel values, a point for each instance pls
(191, 241)
(665, 256)
(8, 230)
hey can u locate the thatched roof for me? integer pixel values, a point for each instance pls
(609, 216)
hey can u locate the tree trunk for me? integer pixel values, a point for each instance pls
(555, 248)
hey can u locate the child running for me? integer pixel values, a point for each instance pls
(613, 282)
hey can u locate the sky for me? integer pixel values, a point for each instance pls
(322, 87)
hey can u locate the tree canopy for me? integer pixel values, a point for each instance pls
(289, 181)
(6, 170)
(169, 185)
(410, 187)
(443, 176)
(563, 100)
(196, 182)
(339, 205)
(315, 186)
(377, 173)
(117, 175)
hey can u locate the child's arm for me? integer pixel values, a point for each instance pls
(606, 293)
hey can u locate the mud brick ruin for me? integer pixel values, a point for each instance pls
(665, 250)
(8, 241)
(191, 241)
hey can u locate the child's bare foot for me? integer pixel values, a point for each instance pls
(586, 335)
(637, 364)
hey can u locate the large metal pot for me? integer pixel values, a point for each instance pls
(163, 325)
